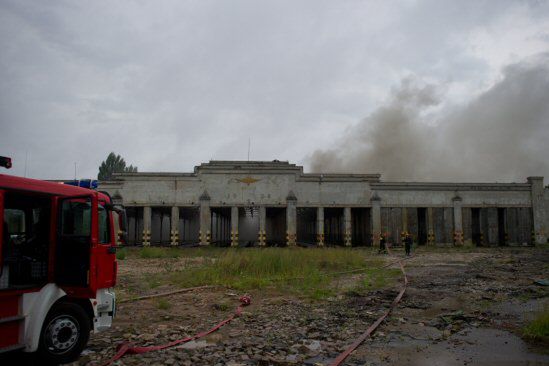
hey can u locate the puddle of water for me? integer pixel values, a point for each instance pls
(526, 311)
(471, 347)
(481, 347)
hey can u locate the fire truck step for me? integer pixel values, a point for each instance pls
(11, 319)
(12, 348)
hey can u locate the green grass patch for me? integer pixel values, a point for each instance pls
(445, 249)
(121, 253)
(170, 252)
(538, 329)
(309, 272)
(163, 304)
(375, 278)
(156, 252)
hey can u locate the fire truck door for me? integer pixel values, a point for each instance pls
(74, 241)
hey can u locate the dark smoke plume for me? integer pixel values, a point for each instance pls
(501, 135)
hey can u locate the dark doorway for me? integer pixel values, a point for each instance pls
(333, 226)
(391, 224)
(135, 225)
(221, 226)
(502, 239)
(275, 226)
(422, 226)
(161, 226)
(189, 225)
(248, 225)
(476, 234)
(361, 227)
(306, 225)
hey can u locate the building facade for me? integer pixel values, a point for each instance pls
(276, 203)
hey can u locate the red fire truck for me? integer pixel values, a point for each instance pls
(57, 266)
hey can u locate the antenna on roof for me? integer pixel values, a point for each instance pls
(249, 144)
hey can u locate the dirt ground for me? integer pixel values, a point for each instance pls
(460, 308)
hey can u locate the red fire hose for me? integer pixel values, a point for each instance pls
(130, 348)
(373, 327)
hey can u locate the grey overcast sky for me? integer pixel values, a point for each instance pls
(171, 84)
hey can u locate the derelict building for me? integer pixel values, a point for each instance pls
(276, 203)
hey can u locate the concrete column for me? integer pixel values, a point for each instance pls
(147, 217)
(430, 227)
(376, 219)
(234, 226)
(262, 226)
(205, 219)
(538, 210)
(320, 226)
(347, 226)
(458, 221)
(291, 219)
(174, 225)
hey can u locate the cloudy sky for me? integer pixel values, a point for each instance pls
(331, 85)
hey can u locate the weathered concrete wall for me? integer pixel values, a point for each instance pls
(270, 184)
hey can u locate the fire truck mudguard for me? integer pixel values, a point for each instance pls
(36, 306)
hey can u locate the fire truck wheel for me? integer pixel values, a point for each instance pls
(64, 335)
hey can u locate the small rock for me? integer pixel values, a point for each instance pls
(292, 358)
(147, 336)
(195, 345)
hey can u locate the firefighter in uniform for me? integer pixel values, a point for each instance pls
(408, 243)
(382, 248)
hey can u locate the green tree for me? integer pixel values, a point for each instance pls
(114, 164)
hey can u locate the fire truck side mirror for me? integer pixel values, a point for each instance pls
(5, 162)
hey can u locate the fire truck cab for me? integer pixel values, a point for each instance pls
(57, 266)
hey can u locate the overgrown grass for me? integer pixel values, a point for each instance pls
(538, 329)
(448, 249)
(121, 253)
(155, 252)
(163, 304)
(374, 278)
(169, 252)
(304, 271)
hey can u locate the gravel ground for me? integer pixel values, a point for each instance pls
(457, 304)
(460, 308)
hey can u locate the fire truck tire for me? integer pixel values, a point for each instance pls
(64, 334)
